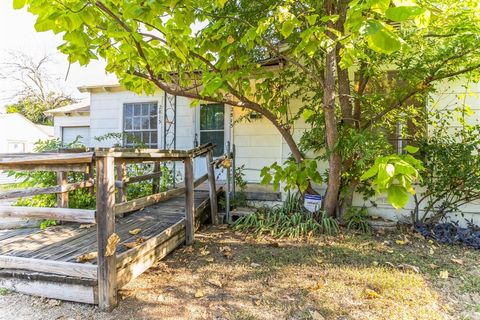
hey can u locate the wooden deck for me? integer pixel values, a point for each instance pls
(162, 230)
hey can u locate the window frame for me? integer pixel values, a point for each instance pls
(225, 129)
(152, 144)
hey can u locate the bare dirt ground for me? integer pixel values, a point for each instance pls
(229, 275)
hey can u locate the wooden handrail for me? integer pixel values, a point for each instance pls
(63, 214)
(46, 158)
(129, 180)
(46, 190)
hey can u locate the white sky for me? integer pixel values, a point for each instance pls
(17, 34)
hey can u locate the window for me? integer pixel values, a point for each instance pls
(140, 123)
(212, 126)
(16, 147)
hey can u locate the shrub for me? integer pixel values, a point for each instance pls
(357, 219)
(291, 220)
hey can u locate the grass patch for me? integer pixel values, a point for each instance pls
(471, 284)
(4, 291)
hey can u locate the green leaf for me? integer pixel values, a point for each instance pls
(18, 4)
(307, 114)
(411, 149)
(379, 6)
(370, 173)
(397, 196)
(384, 41)
(403, 13)
(287, 28)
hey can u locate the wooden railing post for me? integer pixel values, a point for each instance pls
(189, 202)
(62, 198)
(156, 181)
(212, 187)
(121, 195)
(105, 216)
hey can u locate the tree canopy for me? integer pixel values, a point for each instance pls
(358, 67)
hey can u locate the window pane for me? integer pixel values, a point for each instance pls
(137, 110)
(153, 110)
(145, 123)
(145, 109)
(128, 124)
(153, 123)
(136, 123)
(212, 117)
(215, 137)
(153, 137)
(128, 110)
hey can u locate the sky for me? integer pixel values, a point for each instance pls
(17, 34)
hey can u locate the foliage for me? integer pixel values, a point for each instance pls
(357, 218)
(394, 175)
(291, 220)
(452, 171)
(240, 198)
(144, 188)
(118, 139)
(287, 52)
(294, 175)
(36, 91)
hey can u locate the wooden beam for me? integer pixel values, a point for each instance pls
(46, 190)
(63, 214)
(156, 180)
(129, 180)
(45, 167)
(53, 290)
(107, 270)
(143, 202)
(141, 153)
(121, 177)
(201, 150)
(200, 180)
(189, 202)
(88, 271)
(212, 189)
(46, 159)
(62, 198)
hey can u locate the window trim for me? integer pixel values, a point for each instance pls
(226, 120)
(124, 131)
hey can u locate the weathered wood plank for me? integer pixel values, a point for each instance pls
(212, 189)
(62, 198)
(122, 177)
(45, 167)
(46, 190)
(62, 214)
(107, 271)
(53, 290)
(46, 159)
(189, 202)
(48, 266)
(129, 180)
(140, 203)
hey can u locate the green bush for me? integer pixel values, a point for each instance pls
(357, 219)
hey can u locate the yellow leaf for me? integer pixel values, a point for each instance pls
(112, 242)
(431, 251)
(230, 39)
(371, 294)
(86, 257)
(443, 274)
(459, 261)
(433, 266)
(135, 231)
(209, 259)
(316, 315)
(401, 242)
(199, 294)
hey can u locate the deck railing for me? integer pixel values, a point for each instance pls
(111, 183)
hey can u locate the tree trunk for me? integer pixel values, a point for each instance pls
(331, 132)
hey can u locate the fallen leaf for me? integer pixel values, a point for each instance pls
(226, 251)
(371, 294)
(433, 266)
(409, 267)
(86, 257)
(254, 265)
(316, 315)
(215, 282)
(130, 245)
(199, 294)
(210, 259)
(401, 242)
(86, 226)
(459, 261)
(112, 242)
(135, 231)
(443, 274)
(431, 252)
(316, 287)
(375, 263)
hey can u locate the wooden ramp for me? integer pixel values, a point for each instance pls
(46, 262)
(53, 252)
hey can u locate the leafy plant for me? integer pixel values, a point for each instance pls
(291, 220)
(356, 218)
(394, 175)
(240, 198)
(293, 174)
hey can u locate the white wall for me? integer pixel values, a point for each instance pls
(70, 121)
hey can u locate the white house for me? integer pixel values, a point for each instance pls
(165, 121)
(18, 134)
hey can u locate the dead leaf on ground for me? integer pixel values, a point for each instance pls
(254, 265)
(458, 261)
(443, 274)
(316, 315)
(135, 231)
(138, 241)
(86, 226)
(371, 294)
(433, 266)
(86, 257)
(215, 283)
(199, 294)
(409, 267)
(111, 247)
(209, 259)
(316, 287)
(226, 251)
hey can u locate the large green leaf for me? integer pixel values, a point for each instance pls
(384, 41)
(397, 196)
(403, 13)
(19, 4)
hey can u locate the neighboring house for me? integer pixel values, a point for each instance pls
(168, 122)
(72, 122)
(18, 134)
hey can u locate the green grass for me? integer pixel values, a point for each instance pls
(4, 291)
(471, 284)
